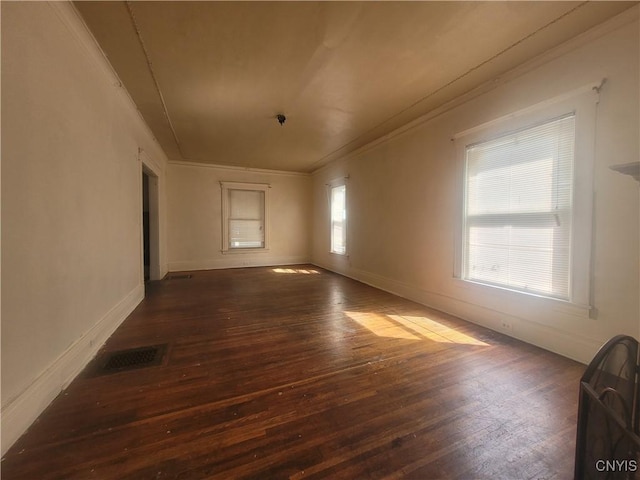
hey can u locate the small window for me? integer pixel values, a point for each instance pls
(518, 209)
(244, 214)
(339, 219)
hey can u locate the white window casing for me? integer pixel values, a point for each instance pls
(526, 200)
(337, 191)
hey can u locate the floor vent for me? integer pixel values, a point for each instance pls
(178, 277)
(134, 358)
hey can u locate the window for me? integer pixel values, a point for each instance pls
(518, 209)
(244, 216)
(339, 219)
(526, 206)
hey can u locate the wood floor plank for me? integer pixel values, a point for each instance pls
(296, 372)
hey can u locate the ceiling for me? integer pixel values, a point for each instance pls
(210, 77)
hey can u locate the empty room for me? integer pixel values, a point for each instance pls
(320, 240)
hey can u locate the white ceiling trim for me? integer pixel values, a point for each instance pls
(239, 169)
(72, 19)
(610, 25)
(153, 74)
(453, 81)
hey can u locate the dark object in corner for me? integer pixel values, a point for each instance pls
(608, 436)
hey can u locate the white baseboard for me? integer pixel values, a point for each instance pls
(23, 410)
(568, 344)
(235, 260)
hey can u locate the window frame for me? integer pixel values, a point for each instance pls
(226, 188)
(582, 102)
(331, 186)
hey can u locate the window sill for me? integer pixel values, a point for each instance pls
(235, 251)
(529, 306)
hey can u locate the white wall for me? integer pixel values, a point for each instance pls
(194, 211)
(71, 205)
(402, 200)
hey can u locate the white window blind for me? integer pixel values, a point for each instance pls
(338, 219)
(246, 218)
(518, 209)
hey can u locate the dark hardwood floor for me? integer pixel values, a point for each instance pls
(299, 373)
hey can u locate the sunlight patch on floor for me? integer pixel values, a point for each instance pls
(411, 328)
(436, 331)
(304, 271)
(380, 325)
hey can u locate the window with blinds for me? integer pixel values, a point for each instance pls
(338, 219)
(244, 216)
(518, 209)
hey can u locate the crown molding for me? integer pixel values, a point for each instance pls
(234, 168)
(628, 16)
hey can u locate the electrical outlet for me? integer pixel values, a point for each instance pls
(506, 325)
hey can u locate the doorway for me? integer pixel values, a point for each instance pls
(146, 253)
(150, 224)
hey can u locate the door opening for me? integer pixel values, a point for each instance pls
(146, 240)
(150, 236)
